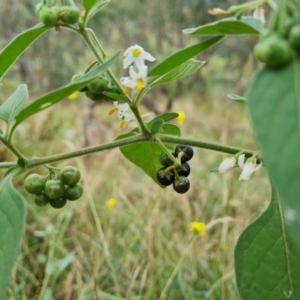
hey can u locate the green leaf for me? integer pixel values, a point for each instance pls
(181, 71)
(165, 117)
(182, 56)
(273, 103)
(18, 45)
(247, 25)
(14, 104)
(12, 220)
(237, 98)
(267, 259)
(55, 96)
(93, 6)
(156, 126)
(146, 154)
(115, 96)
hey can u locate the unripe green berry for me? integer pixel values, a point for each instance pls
(98, 85)
(70, 15)
(49, 15)
(58, 203)
(54, 189)
(73, 192)
(34, 183)
(294, 38)
(41, 199)
(69, 175)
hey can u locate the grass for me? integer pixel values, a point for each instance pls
(141, 248)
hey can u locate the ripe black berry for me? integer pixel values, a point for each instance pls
(187, 150)
(181, 185)
(165, 178)
(184, 170)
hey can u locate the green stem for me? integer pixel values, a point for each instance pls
(205, 145)
(166, 150)
(143, 126)
(8, 164)
(15, 151)
(85, 151)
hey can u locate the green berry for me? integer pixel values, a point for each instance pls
(41, 199)
(165, 160)
(73, 192)
(95, 97)
(69, 175)
(274, 51)
(70, 15)
(58, 203)
(34, 183)
(54, 189)
(294, 38)
(98, 85)
(49, 15)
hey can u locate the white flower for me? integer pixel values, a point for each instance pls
(124, 113)
(137, 80)
(136, 54)
(227, 164)
(259, 14)
(249, 167)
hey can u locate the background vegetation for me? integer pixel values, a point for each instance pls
(130, 251)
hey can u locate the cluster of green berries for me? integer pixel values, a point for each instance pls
(56, 191)
(94, 90)
(276, 48)
(176, 173)
(49, 15)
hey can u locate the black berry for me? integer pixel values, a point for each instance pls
(181, 185)
(165, 178)
(188, 152)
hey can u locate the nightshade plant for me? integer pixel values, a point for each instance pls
(267, 255)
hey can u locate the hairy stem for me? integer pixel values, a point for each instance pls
(205, 145)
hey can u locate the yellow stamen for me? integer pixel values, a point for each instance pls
(139, 84)
(136, 52)
(125, 90)
(73, 96)
(112, 110)
(121, 123)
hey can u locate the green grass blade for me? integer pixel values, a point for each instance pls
(18, 45)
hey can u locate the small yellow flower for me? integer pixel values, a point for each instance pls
(73, 96)
(181, 117)
(198, 228)
(110, 203)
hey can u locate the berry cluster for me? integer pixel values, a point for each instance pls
(176, 173)
(55, 191)
(275, 49)
(49, 15)
(94, 90)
